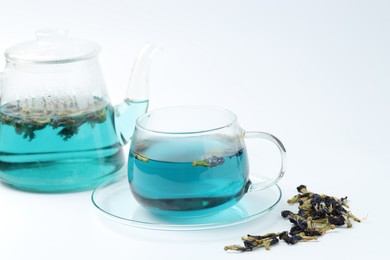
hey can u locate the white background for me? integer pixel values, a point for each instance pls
(313, 73)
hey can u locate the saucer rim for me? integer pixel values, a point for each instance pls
(177, 227)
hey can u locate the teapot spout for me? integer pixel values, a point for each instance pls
(138, 88)
(125, 116)
(137, 95)
(1, 83)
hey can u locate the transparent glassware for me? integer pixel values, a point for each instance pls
(192, 161)
(59, 131)
(115, 201)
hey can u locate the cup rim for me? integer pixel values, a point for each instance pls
(233, 119)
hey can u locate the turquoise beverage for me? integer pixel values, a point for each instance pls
(63, 149)
(191, 161)
(58, 130)
(201, 175)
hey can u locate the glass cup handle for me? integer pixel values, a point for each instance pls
(263, 185)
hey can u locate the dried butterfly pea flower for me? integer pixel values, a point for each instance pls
(209, 162)
(316, 215)
(28, 120)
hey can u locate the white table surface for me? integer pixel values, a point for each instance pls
(313, 73)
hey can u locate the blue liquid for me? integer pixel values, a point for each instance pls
(125, 117)
(50, 163)
(182, 178)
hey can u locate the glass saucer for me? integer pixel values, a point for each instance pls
(114, 199)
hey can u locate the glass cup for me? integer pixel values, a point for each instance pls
(192, 161)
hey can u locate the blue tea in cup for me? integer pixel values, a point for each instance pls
(192, 161)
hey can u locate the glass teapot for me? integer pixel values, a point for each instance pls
(58, 129)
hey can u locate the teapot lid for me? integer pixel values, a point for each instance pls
(52, 46)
